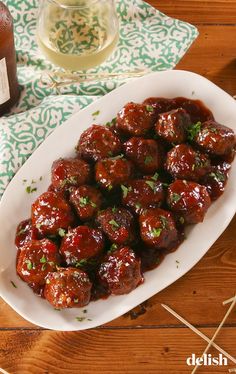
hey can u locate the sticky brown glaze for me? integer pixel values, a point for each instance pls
(86, 200)
(25, 232)
(112, 172)
(172, 126)
(157, 228)
(50, 212)
(147, 154)
(35, 260)
(139, 194)
(120, 271)
(183, 162)
(189, 200)
(81, 243)
(215, 181)
(135, 119)
(215, 138)
(67, 172)
(97, 143)
(118, 224)
(68, 288)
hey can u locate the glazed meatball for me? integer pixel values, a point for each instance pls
(97, 143)
(68, 288)
(87, 201)
(135, 119)
(215, 181)
(112, 172)
(81, 243)
(139, 194)
(215, 138)
(117, 224)
(183, 162)
(67, 172)
(172, 126)
(120, 272)
(50, 212)
(189, 200)
(157, 227)
(36, 259)
(25, 232)
(147, 154)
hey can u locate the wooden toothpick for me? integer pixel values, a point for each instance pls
(199, 333)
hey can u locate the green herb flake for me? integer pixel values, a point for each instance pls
(156, 232)
(175, 197)
(81, 263)
(148, 160)
(181, 220)
(138, 206)
(164, 222)
(22, 231)
(110, 187)
(43, 259)
(194, 130)
(125, 190)
(112, 248)
(93, 205)
(29, 189)
(24, 181)
(85, 311)
(29, 264)
(76, 301)
(13, 284)
(151, 184)
(95, 114)
(218, 176)
(43, 267)
(61, 232)
(57, 309)
(155, 177)
(114, 223)
(41, 178)
(48, 281)
(83, 201)
(80, 319)
(114, 209)
(111, 123)
(89, 319)
(177, 263)
(149, 108)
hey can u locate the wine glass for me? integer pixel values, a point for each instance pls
(77, 34)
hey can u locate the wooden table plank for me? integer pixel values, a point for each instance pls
(158, 351)
(198, 11)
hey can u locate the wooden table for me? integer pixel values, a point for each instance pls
(154, 342)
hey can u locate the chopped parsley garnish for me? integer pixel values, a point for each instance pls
(112, 248)
(181, 220)
(114, 209)
(22, 231)
(175, 197)
(118, 157)
(94, 114)
(155, 177)
(30, 189)
(93, 205)
(13, 284)
(81, 263)
(111, 123)
(83, 201)
(80, 319)
(76, 301)
(148, 160)
(156, 232)
(194, 130)
(164, 222)
(125, 190)
(218, 176)
(151, 184)
(149, 108)
(138, 206)
(110, 187)
(29, 264)
(114, 223)
(61, 232)
(43, 259)
(71, 180)
(47, 281)
(177, 263)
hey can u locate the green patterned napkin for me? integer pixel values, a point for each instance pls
(148, 40)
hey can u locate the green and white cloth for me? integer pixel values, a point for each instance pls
(148, 40)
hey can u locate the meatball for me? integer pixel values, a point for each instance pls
(172, 126)
(67, 172)
(142, 193)
(215, 138)
(215, 181)
(183, 162)
(112, 172)
(87, 201)
(36, 259)
(135, 119)
(157, 227)
(120, 272)
(81, 243)
(147, 154)
(160, 104)
(25, 232)
(117, 224)
(68, 288)
(98, 142)
(51, 212)
(189, 200)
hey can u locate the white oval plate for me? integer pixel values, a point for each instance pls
(15, 204)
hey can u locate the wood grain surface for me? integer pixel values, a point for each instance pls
(149, 340)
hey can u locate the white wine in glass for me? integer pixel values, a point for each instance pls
(77, 34)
